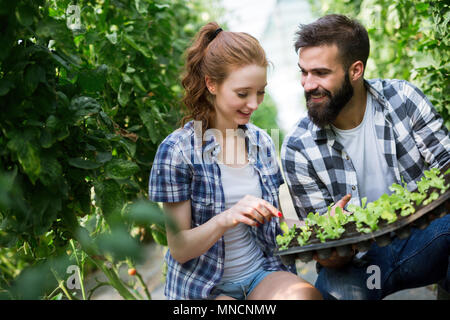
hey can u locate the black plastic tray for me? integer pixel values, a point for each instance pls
(400, 228)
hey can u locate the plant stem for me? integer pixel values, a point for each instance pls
(62, 287)
(140, 280)
(100, 284)
(81, 269)
(53, 292)
(115, 281)
(144, 286)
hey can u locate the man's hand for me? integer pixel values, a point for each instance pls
(334, 261)
(341, 203)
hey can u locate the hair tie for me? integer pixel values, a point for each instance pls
(215, 34)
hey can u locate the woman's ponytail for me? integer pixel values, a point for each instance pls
(196, 94)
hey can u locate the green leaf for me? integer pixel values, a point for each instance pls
(84, 163)
(46, 139)
(84, 106)
(128, 39)
(110, 199)
(24, 15)
(63, 133)
(120, 169)
(36, 280)
(124, 94)
(141, 6)
(93, 80)
(138, 83)
(103, 157)
(114, 79)
(145, 213)
(284, 227)
(422, 6)
(51, 122)
(51, 173)
(120, 245)
(112, 37)
(27, 154)
(159, 236)
(34, 74)
(5, 86)
(129, 146)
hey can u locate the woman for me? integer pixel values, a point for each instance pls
(221, 188)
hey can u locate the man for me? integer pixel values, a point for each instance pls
(359, 137)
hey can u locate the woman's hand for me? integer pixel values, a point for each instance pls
(249, 210)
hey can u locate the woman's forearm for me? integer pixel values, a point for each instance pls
(192, 243)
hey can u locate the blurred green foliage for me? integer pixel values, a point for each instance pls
(265, 117)
(409, 40)
(88, 90)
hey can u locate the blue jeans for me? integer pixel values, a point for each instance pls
(240, 290)
(419, 260)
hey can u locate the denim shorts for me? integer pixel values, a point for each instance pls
(241, 289)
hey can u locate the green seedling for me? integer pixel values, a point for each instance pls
(366, 220)
(283, 240)
(327, 226)
(304, 236)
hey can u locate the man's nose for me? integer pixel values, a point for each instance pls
(308, 83)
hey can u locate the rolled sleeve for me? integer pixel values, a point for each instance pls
(431, 135)
(170, 176)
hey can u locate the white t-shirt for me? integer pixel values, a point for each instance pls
(361, 145)
(242, 255)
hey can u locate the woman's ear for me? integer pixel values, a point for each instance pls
(356, 70)
(210, 85)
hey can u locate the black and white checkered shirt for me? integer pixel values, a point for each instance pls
(410, 133)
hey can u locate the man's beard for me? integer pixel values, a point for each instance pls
(324, 113)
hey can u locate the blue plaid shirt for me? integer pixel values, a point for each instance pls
(410, 132)
(184, 169)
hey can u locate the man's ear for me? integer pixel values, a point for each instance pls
(356, 70)
(210, 85)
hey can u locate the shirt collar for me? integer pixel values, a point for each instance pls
(211, 144)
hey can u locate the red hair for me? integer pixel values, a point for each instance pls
(214, 58)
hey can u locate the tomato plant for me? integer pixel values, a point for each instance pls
(87, 91)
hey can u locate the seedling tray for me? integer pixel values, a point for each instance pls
(362, 241)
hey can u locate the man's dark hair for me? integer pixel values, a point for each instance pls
(347, 34)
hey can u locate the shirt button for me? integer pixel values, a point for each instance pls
(353, 187)
(347, 157)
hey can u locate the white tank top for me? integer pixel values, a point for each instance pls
(242, 255)
(361, 144)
